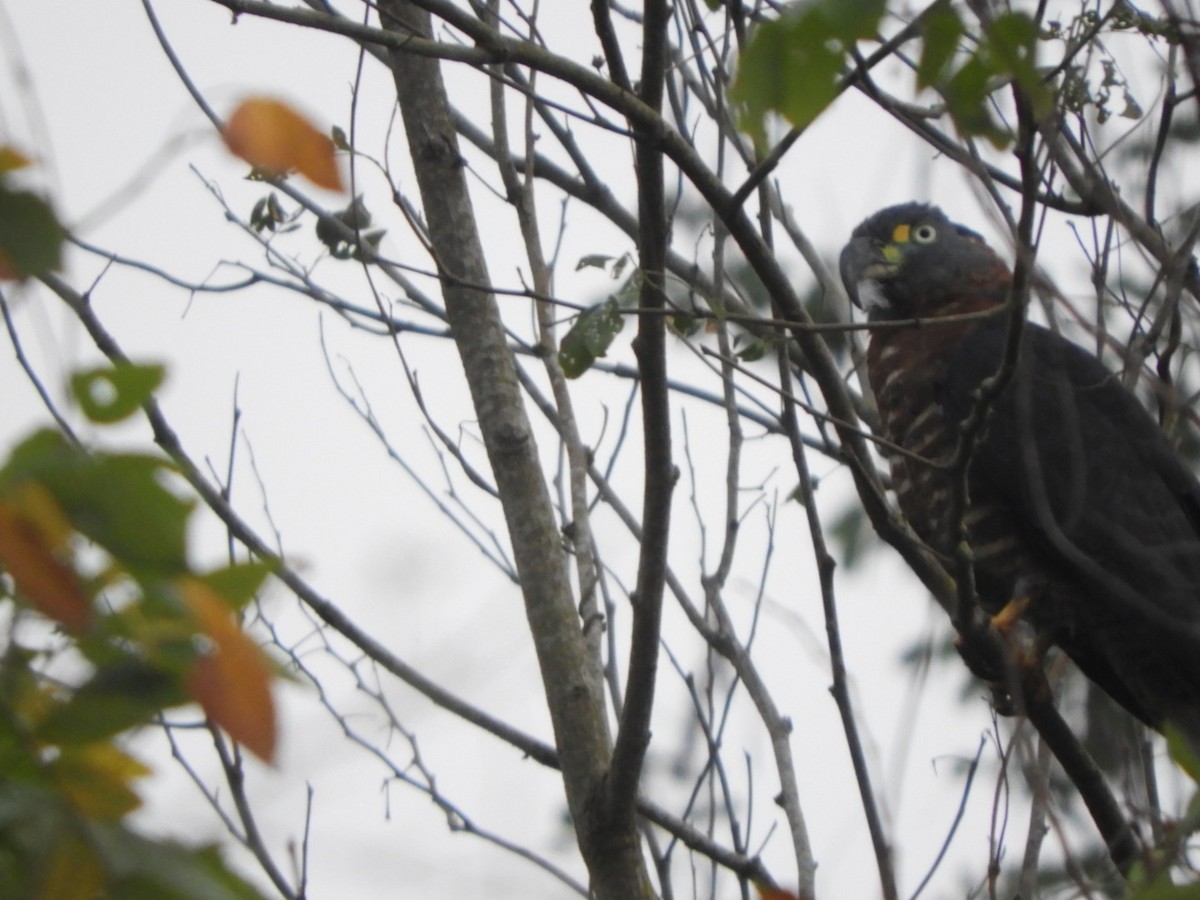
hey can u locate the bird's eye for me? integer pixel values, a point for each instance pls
(924, 234)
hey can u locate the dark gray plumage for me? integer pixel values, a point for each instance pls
(1076, 499)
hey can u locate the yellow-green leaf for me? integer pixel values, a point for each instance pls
(95, 779)
(73, 871)
(12, 159)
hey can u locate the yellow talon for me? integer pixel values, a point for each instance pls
(1011, 613)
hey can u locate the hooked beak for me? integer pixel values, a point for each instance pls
(864, 263)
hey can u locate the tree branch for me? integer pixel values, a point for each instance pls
(840, 688)
(574, 696)
(633, 736)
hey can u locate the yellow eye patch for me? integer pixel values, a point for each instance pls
(900, 234)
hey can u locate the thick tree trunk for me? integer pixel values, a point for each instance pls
(614, 860)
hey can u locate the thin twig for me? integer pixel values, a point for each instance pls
(958, 815)
(840, 688)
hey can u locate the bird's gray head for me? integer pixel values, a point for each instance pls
(906, 261)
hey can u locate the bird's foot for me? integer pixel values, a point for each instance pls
(1008, 617)
(1001, 654)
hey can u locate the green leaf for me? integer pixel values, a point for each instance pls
(142, 869)
(966, 96)
(267, 214)
(685, 325)
(590, 337)
(1005, 54)
(851, 535)
(116, 698)
(750, 349)
(119, 503)
(340, 141)
(240, 582)
(1012, 37)
(1164, 890)
(33, 822)
(31, 237)
(1012, 43)
(117, 500)
(36, 827)
(110, 394)
(19, 760)
(1182, 752)
(942, 31)
(793, 65)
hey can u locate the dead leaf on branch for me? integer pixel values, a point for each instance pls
(270, 135)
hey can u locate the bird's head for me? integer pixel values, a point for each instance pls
(911, 261)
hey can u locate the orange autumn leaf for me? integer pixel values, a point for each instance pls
(271, 135)
(50, 586)
(770, 893)
(233, 682)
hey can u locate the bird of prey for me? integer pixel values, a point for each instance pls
(1081, 518)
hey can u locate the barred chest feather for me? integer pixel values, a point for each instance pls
(908, 369)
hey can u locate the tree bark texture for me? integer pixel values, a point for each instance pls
(614, 860)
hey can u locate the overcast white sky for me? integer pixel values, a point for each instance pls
(126, 155)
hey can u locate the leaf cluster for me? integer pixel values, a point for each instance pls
(793, 65)
(95, 542)
(796, 65)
